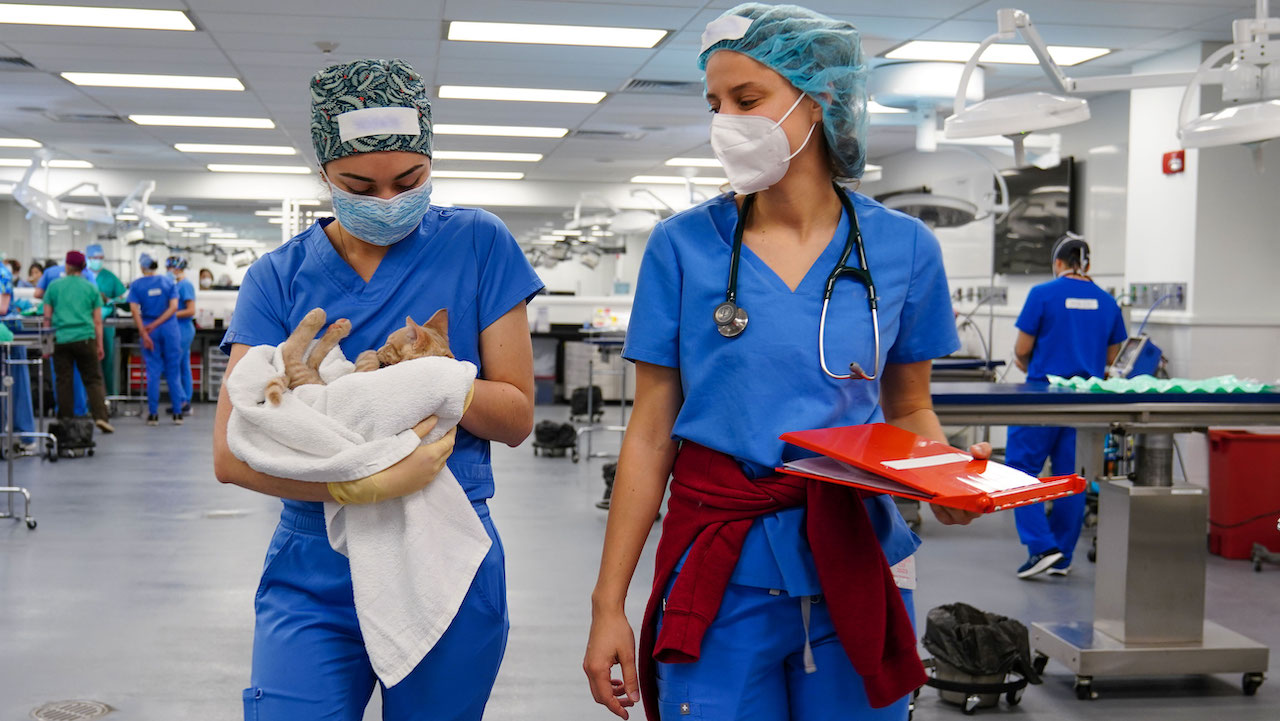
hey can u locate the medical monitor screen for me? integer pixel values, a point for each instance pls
(1041, 209)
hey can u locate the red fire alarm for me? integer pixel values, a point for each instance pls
(1175, 162)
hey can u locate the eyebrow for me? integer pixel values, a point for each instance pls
(410, 171)
(750, 84)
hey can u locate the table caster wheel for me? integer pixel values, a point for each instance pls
(1251, 682)
(1039, 662)
(31, 524)
(574, 455)
(91, 452)
(1013, 698)
(1084, 688)
(1257, 566)
(971, 704)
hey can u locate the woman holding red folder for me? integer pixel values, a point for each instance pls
(774, 597)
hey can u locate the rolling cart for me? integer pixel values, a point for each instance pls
(606, 343)
(9, 489)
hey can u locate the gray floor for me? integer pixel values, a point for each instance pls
(136, 590)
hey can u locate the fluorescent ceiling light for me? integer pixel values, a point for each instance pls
(234, 168)
(207, 231)
(878, 109)
(1064, 55)
(199, 121)
(90, 17)
(189, 224)
(476, 175)
(236, 243)
(235, 149)
(166, 82)
(469, 155)
(176, 218)
(18, 143)
(268, 213)
(24, 162)
(676, 180)
(531, 95)
(567, 233)
(223, 234)
(276, 221)
(500, 131)
(126, 217)
(555, 34)
(694, 163)
(550, 238)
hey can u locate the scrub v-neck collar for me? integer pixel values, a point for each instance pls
(815, 279)
(390, 269)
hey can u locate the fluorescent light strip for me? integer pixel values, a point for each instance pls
(469, 155)
(222, 235)
(676, 180)
(567, 233)
(530, 95)
(176, 218)
(188, 224)
(166, 82)
(694, 163)
(235, 149)
(606, 37)
(1064, 55)
(268, 213)
(19, 143)
(282, 169)
(276, 221)
(550, 238)
(198, 121)
(500, 131)
(123, 217)
(66, 164)
(207, 231)
(476, 175)
(236, 243)
(91, 17)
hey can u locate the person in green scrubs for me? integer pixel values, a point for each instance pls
(113, 291)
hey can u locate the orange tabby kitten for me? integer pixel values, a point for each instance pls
(407, 343)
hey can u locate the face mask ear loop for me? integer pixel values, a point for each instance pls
(778, 124)
(805, 143)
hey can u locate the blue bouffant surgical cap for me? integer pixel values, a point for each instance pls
(820, 56)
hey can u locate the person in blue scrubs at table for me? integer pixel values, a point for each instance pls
(51, 273)
(153, 299)
(1068, 327)
(186, 316)
(786, 88)
(388, 254)
(24, 420)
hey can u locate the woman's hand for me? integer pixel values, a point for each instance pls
(954, 516)
(410, 475)
(612, 643)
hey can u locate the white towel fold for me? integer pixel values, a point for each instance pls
(413, 558)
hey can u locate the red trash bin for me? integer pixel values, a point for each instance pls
(1244, 492)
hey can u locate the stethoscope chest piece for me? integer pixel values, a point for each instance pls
(731, 320)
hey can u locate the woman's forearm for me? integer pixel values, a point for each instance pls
(499, 412)
(922, 422)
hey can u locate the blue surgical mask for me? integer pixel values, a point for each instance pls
(95, 264)
(378, 221)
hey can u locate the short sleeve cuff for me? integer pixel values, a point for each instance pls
(524, 294)
(234, 338)
(927, 353)
(647, 355)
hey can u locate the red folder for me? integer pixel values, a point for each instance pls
(887, 459)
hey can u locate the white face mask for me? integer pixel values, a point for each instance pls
(753, 149)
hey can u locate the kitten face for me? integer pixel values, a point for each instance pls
(417, 341)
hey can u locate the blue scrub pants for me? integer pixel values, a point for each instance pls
(24, 419)
(752, 667)
(166, 360)
(1026, 450)
(186, 334)
(309, 660)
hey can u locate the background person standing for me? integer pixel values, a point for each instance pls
(73, 307)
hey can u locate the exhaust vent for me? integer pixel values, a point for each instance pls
(98, 118)
(639, 86)
(15, 64)
(607, 134)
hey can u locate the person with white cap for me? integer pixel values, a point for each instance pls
(153, 299)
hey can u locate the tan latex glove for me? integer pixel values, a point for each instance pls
(409, 475)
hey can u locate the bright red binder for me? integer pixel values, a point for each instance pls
(887, 459)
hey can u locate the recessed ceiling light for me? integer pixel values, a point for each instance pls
(234, 168)
(234, 242)
(1064, 55)
(469, 155)
(207, 231)
(555, 34)
(176, 218)
(677, 180)
(531, 95)
(198, 121)
(567, 233)
(550, 238)
(268, 213)
(476, 175)
(694, 163)
(501, 131)
(188, 224)
(236, 149)
(276, 221)
(91, 17)
(18, 143)
(878, 109)
(24, 162)
(123, 217)
(167, 82)
(223, 234)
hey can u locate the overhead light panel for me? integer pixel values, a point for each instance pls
(126, 217)
(276, 221)
(235, 149)
(64, 164)
(608, 37)
(476, 175)
(91, 17)
(951, 51)
(567, 233)
(207, 231)
(164, 82)
(530, 95)
(234, 242)
(282, 169)
(199, 121)
(19, 143)
(268, 213)
(500, 131)
(677, 180)
(176, 218)
(693, 163)
(221, 234)
(499, 157)
(189, 224)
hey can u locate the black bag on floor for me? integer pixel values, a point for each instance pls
(979, 643)
(74, 436)
(578, 401)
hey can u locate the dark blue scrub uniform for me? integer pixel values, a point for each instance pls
(152, 293)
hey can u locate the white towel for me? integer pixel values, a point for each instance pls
(412, 558)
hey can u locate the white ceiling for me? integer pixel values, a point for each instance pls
(271, 47)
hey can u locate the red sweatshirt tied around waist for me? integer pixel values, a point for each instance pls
(711, 509)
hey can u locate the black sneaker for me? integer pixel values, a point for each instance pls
(1039, 563)
(153, 420)
(177, 419)
(186, 408)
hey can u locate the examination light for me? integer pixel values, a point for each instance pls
(936, 211)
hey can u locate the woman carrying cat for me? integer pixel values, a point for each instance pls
(388, 255)
(801, 607)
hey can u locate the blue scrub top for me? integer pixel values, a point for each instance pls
(186, 292)
(1073, 322)
(152, 293)
(741, 393)
(461, 259)
(57, 271)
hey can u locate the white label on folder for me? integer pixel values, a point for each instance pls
(998, 477)
(907, 464)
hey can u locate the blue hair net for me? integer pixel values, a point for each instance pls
(94, 251)
(820, 56)
(175, 262)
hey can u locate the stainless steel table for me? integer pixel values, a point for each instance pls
(1150, 588)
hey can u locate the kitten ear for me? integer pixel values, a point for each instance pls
(412, 328)
(440, 322)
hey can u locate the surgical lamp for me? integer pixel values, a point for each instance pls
(935, 211)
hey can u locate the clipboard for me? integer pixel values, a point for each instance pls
(882, 458)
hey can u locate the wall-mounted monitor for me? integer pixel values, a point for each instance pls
(1041, 210)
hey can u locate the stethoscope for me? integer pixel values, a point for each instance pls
(731, 318)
